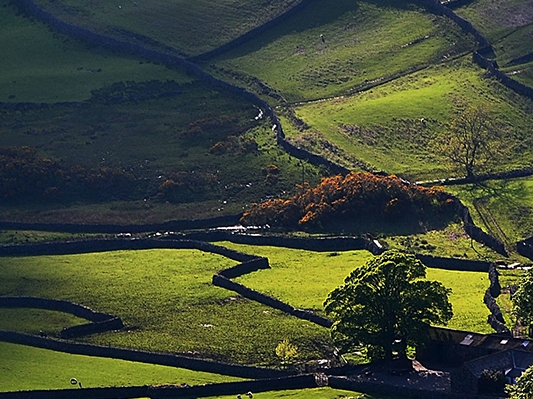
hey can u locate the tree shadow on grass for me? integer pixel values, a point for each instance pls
(379, 227)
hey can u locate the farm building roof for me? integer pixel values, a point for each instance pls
(493, 342)
(512, 362)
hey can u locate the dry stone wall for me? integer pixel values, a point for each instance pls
(101, 322)
(142, 356)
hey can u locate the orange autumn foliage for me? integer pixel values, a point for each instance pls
(357, 195)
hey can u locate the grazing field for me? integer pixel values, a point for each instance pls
(167, 302)
(304, 279)
(468, 288)
(183, 26)
(27, 368)
(330, 48)
(316, 393)
(393, 127)
(508, 24)
(522, 73)
(502, 207)
(299, 277)
(450, 241)
(217, 151)
(52, 68)
(33, 321)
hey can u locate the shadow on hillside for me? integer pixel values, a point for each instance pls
(315, 15)
(399, 227)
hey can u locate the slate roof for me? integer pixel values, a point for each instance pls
(512, 361)
(492, 342)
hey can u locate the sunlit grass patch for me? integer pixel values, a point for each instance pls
(27, 368)
(167, 303)
(305, 278)
(392, 127)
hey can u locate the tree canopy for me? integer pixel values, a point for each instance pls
(387, 305)
(523, 298)
(523, 389)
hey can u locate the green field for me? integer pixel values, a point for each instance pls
(507, 24)
(522, 73)
(49, 67)
(316, 393)
(301, 278)
(330, 48)
(450, 241)
(33, 321)
(305, 278)
(154, 141)
(33, 368)
(503, 208)
(185, 27)
(167, 302)
(383, 127)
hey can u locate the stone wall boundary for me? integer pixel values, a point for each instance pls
(274, 303)
(467, 265)
(175, 225)
(77, 393)
(172, 60)
(142, 356)
(250, 35)
(484, 47)
(100, 322)
(171, 391)
(525, 248)
(375, 388)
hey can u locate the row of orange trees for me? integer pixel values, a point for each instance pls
(356, 195)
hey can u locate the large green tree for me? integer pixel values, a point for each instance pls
(386, 305)
(523, 298)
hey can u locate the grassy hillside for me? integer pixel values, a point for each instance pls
(383, 127)
(504, 208)
(188, 28)
(508, 24)
(39, 65)
(330, 48)
(146, 120)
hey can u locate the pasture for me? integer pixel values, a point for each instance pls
(50, 67)
(393, 127)
(304, 279)
(501, 207)
(449, 241)
(331, 48)
(184, 27)
(31, 368)
(316, 393)
(508, 24)
(154, 142)
(167, 302)
(522, 73)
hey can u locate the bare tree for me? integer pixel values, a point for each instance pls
(474, 142)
